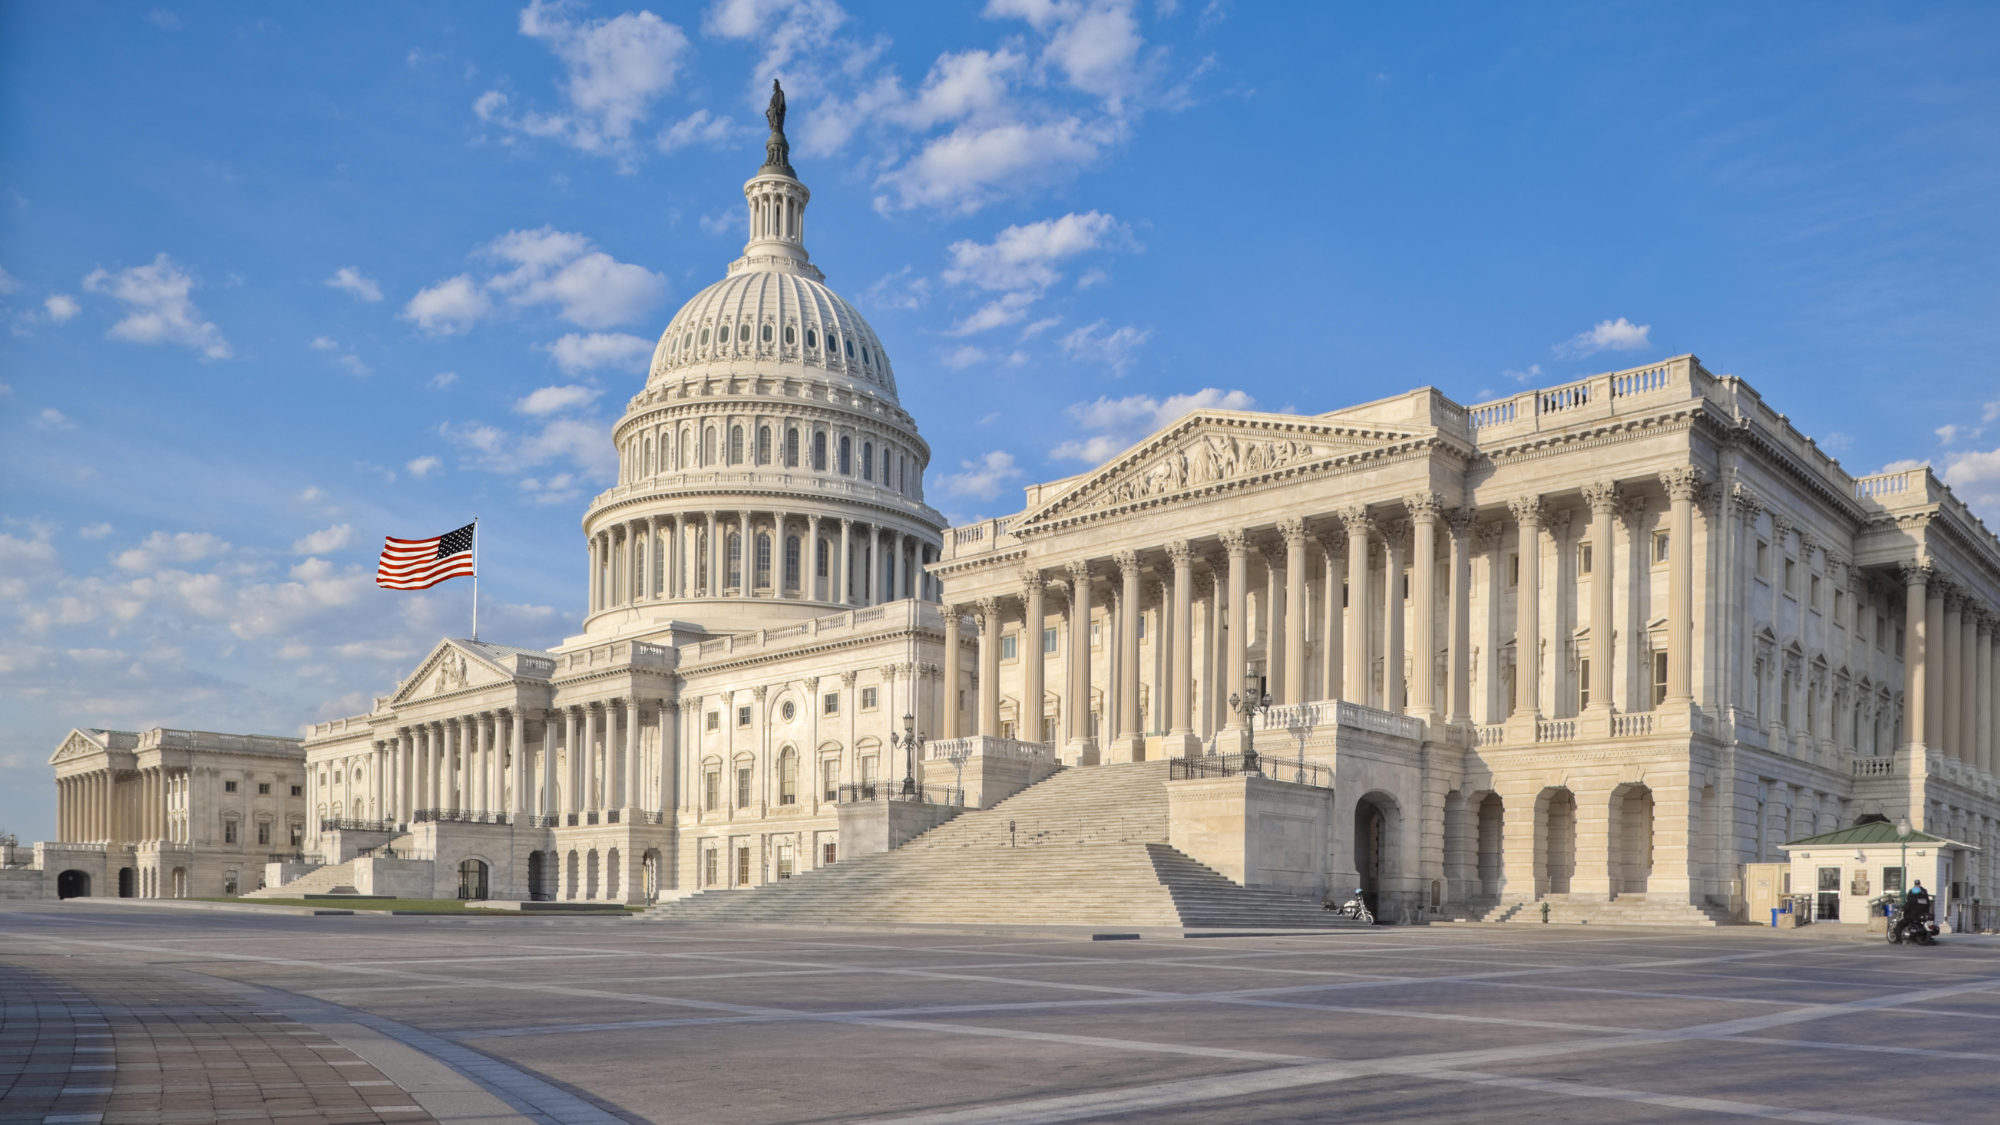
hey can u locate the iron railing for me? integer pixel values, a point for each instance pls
(893, 790)
(1252, 763)
(295, 857)
(342, 824)
(456, 816)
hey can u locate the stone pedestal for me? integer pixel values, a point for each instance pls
(1258, 832)
(885, 823)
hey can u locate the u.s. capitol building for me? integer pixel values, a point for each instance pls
(1600, 645)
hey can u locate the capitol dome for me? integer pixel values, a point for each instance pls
(767, 471)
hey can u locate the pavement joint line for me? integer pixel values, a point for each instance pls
(1870, 1048)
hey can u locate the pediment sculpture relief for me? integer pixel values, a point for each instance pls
(1209, 458)
(451, 674)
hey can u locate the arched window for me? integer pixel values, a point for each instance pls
(850, 348)
(791, 335)
(867, 460)
(708, 446)
(742, 333)
(791, 562)
(791, 449)
(763, 445)
(735, 559)
(788, 776)
(736, 445)
(819, 452)
(812, 340)
(647, 468)
(885, 468)
(704, 336)
(763, 561)
(846, 456)
(767, 333)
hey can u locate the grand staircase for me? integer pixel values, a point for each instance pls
(318, 881)
(1085, 847)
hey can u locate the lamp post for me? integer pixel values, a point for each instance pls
(910, 742)
(1251, 707)
(1903, 838)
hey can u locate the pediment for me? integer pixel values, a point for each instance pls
(1204, 451)
(450, 668)
(77, 745)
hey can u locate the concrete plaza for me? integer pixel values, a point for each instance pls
(127, 1013)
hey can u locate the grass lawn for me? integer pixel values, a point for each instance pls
(412, 905)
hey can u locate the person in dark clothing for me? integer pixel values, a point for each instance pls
(1916, 908)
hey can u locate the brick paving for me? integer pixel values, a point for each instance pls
(83, 1041)
(227, 1017)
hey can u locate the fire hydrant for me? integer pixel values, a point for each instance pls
(1545, 914)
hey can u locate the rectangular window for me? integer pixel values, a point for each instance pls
(868, 698)
(1096, 634)
(788, 779)
(263, 831)
(828, 855)
(742, 787)
(1142, 626)
(1785, 699)
(1840, 608)
(710, 876)
(263, 788)
(1899, 640)
(228, 831)
(711, 790)
(821, 554)
(1583, 683)
(298, 834)
(1583, 559)
(743, 716)
(829, 779)
(298, 790)
(1812, 597)
(1659, 678)
(229, 787)
(1048, 641)
(1661, 546)
(831, 704)
(1881, 630)
(743, 866)
(868, 771)
(791, 562)
(785, 861)
(1343, 595)
(1763, 560)
(1513, 570)
(715, 720)
(1892, 880)
(1791, 577)
(1010, 646)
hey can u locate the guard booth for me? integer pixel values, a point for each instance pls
(1836, 874)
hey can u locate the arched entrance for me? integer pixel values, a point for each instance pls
(180, 882)
(73, 884)
(1557, 809)
(570, 886)
(1631, 838)
(653, 863)
(1374, 829)
(538, 877)
(1491, 832)
(125, 881)
(590, 875)
(472, 879)
(611, 871)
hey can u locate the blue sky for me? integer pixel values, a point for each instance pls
(279, 281)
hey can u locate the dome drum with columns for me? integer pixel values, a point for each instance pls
(767, 472)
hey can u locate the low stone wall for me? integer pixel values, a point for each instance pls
(20, 883)
(885, 823)
(402, 878)
(1261, 833)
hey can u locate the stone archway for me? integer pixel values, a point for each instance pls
(654, 867)
(1376, 864)
(1631, 839)
(73, 884)
(1489, 823)
(472, 880)
(1555, 841)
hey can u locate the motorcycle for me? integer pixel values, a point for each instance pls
(1353, 908)
(1919, 931)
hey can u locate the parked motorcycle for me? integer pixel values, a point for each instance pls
(1353, 908)
(1919, 931)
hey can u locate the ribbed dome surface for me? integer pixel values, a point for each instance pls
(775, 315)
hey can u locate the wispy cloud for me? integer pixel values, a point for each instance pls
(325, 540)
(348, 280)
(554, 400)
(577, 351)
(1115, 349)
(1119, 422)
(157, 307)
(983, 478)
(1619, 335)
(1020, 263)
(588, 287)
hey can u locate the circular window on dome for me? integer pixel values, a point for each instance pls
(743, 333)
(790, 335)
(788, 710)
(812, 339)
(704, 336)
(767, 333)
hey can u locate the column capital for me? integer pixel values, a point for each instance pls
(1235, 542)
(1274, 551)
(760, 691)
(847, 678)
(1357, 519)
(1527, 510)
(1293, 529)
(1127, 561)
(1396, 533)
(989, 607)
(1032, 579)
(1683, 482)
(1333, 543)
(1604, 497)
(1424, 506)
(1079, 571)
(1180, 553)
(1460, 522)
(1747, 502)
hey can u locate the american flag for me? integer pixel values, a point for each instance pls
(419, 564)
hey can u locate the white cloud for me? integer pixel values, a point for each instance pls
(554, 400)
(1039, 327)
(52, 419)
(61, 307)
(443, 379)
(348, 280)
(161, 548)
(983, 478)
(449, 307)
(578, 352)
(328, 539)
(614, 69)
(1532, 374)
(1010, 308)
(1990, 412)
(355, 366)
(163, 19)
(1096, 45)
(94, 531)
(1949, 432)
(960, 358)
(1975, 477)
(1902, 466)
(697, 128)
(324, 344)
(975, 165)
(1113, 349)
(1123, 421)
(1024, 256)
(423, 466)
(590, 288)
(1619, 335)
(8, 282)
(157, 308)
(899, 290)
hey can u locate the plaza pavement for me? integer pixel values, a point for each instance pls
(226, 1016)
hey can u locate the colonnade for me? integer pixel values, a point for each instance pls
(1952, 702)
(140, 805)
(1333, 616)
(673, 557)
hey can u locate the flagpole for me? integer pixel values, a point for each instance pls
(475, 578)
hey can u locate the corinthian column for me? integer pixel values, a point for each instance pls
(1298, 611)
(989, 667)
(1682, 485)
(1082, 750)
(1424, 509)
(1237, 624)
(1131, 740)
(1458, 684)
(1181, 736)
(952, 644)
(1604, 500)
(1357, 658)
(1032, 668)
(1527, 614)
(1394, 698)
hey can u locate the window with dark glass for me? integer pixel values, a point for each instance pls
(846, 456)
(791, 449)
(763, 445)
(763, 560)
(819, 452)
(867, 460)
(791, 562)
(735, 559)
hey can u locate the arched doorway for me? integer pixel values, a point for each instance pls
(1558, 841)
(611, 872)
(1631, 839)
(125, 882)
(1491, 832)
(590, 875)
(73, 884)
(472, 879)
(571, 872)
(1373, 832)
(180, 882)
(653, 863)
(538, 865)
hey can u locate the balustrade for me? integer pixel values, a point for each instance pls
(957, 749)
(1874, 767)
(1625, 726)
(1556, 730)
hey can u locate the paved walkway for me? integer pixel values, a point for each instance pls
(588, 1022)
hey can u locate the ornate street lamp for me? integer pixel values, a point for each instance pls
(1252, 708)
(910, 742)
